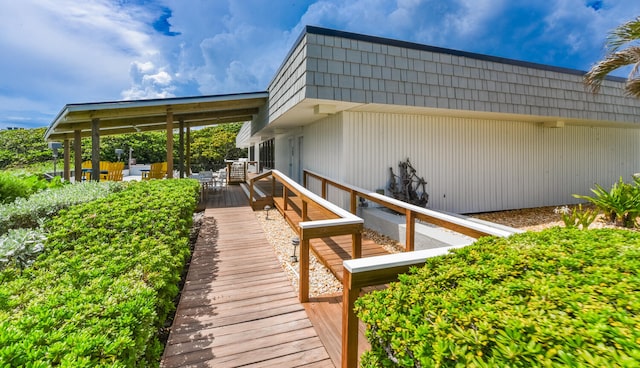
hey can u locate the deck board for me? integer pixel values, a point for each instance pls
(237, 306)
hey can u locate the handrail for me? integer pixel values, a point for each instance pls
(360, 273)
(346, 223)
(412, 212)
(370, 271)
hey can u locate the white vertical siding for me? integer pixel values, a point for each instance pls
(323, 147)
(475, 165)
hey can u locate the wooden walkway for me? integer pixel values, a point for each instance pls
(237, 307)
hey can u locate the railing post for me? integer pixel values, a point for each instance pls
(303, 286)
(273, 185)
(356, 244)
(304, 211)
(285, 197)
(305, 175)
(349, 322)
(324, 188)
(251, 193)
(411, 231)
(353, 201)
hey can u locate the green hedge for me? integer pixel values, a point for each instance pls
(21, 185)
(556, 298)
(30, 212)
(105, 284)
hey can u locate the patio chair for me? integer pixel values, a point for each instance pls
(158, 170)
(115, 171)
(104, 169)
(86, 172)
(222, 178)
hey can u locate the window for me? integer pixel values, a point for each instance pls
(267, 155)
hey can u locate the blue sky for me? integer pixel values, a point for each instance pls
(56, 52)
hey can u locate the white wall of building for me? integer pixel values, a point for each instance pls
(473, 165)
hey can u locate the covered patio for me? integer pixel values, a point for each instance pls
(96, 119)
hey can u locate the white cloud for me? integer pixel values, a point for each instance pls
(161, 78)
(148, 81)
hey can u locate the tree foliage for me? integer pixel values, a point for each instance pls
(622, 50)
(22, 147)
(209, 148)
(212, 145)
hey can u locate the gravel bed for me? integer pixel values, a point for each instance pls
(537, 219)
(279, 235)
(321, 280)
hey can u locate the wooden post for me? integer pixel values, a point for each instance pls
(273, 186)
(304, 211)
(356, 244)
(188, 150)
(411, 231)
(304, 178)
(303, 287)
(285, 198)
(169, 143)
(67, 158)
(181, 148)
(77, 156)
(251, 194)
(349, 322)
(95, 149)
(353, 200)
(324, 188)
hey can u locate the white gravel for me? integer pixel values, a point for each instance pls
(279, 234)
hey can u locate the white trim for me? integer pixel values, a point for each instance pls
(394, 260)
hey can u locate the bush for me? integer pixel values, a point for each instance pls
(14, 186)
(20, 247)
(621, 202)
(29, 213)
(103, 287)
(561, 297)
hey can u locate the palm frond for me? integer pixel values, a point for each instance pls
(632, 88)
(593, 79)
(623, 34)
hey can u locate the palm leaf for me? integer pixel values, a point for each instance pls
(630, 56)
(623, 34)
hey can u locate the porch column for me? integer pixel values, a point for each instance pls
(188, 150)
(95, 149)
(169, 143)
(67, 157)
(181, 149)
(77, 156)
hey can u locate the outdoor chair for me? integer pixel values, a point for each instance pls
(86, 173)
(158, 170)
(104, 169)
(115, 171)
(222, 178)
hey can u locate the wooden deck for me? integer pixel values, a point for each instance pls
(237, 307)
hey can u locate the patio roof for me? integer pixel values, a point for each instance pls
(118, 117)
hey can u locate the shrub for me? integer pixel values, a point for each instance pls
(28, 213)
(14, 185)
(103, 287)
(621, 202)
(20, 247)
(576, 218)
(561, 297)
